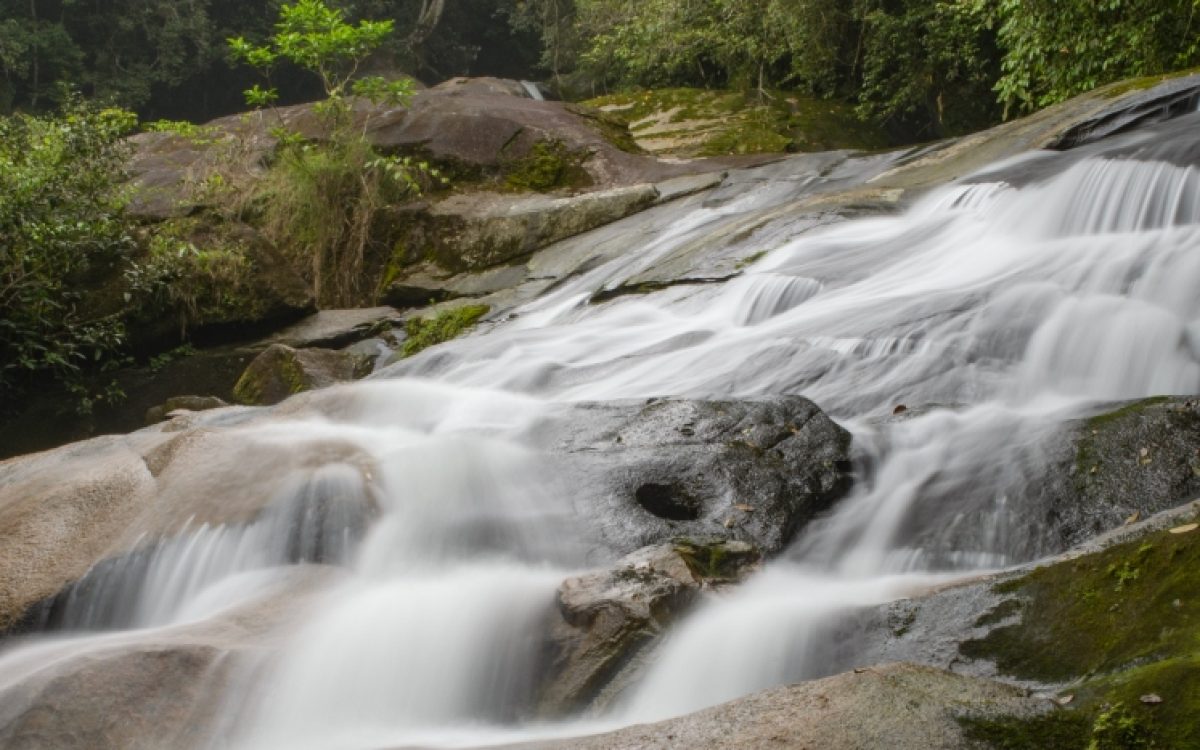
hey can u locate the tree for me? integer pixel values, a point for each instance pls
(322, 196)
(1055, 49)
(61, 219)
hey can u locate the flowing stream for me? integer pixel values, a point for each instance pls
(1000, 305)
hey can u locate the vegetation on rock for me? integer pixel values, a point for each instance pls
(322, 194)
(424, 332)
(1114, 626)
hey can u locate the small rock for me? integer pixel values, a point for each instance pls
(1151, 698)
(900, 409)
(1065, 699)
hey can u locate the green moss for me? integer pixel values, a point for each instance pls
(550, 165)
(722, 122)
(714, 559)
(426, 332)
(1061, 730)
(750, 260)
(1103, 420)
(1114, 90)
(1121, 623)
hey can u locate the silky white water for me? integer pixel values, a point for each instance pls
(993, 310)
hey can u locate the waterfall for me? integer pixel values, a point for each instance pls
(1000, 306)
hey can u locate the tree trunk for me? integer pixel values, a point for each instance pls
(427, 22)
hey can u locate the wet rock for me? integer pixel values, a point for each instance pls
(1141, 458)
(1136, 107)
(898, 706)
(609, 616)
(63, 511)
(282, 371)
(146, 693)
(334, 329)
(481, 230)
(174, 404)
(648, 472)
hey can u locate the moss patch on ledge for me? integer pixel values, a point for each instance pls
(703, 122)
(1121, 626)
(446, 325)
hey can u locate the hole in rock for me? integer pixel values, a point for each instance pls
(668, 501)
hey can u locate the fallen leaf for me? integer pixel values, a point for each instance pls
(1151, 698)
(900, 409)
(1185, 528)
(1133, 519)
(744, 508)
(1065, 699)
(1144, 452)
(729, 522)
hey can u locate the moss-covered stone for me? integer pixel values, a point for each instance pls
(1118, 624)
(550, 165)
(1062, 730)
(702, 122)
(425, 332)
(281, 371)
(717, 560)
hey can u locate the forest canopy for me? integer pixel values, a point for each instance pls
(925, 67)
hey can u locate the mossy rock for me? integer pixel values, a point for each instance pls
(703, 122)
(548, 166)
(281, 371)
(424, 332)
(1121, 627)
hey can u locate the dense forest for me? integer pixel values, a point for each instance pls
(926, 68)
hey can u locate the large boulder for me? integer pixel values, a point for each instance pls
(897, 706)
(605, 618)
(477, 231)
(650, 471)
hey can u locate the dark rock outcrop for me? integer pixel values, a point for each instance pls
(608, 616)
(1130, 463)
(649, 472)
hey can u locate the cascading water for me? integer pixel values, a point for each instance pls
(999, 306)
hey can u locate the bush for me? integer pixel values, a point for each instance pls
(61, 219)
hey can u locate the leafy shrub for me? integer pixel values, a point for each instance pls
(322, 195)
(61, 219)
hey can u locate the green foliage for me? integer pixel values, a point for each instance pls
(426, 332)
(930, 64)
(1054, 50)
(321, 197)
(189, 278)
(318, 39)
(61, 219)
(1117, 729)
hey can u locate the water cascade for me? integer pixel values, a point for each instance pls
(995, 308)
